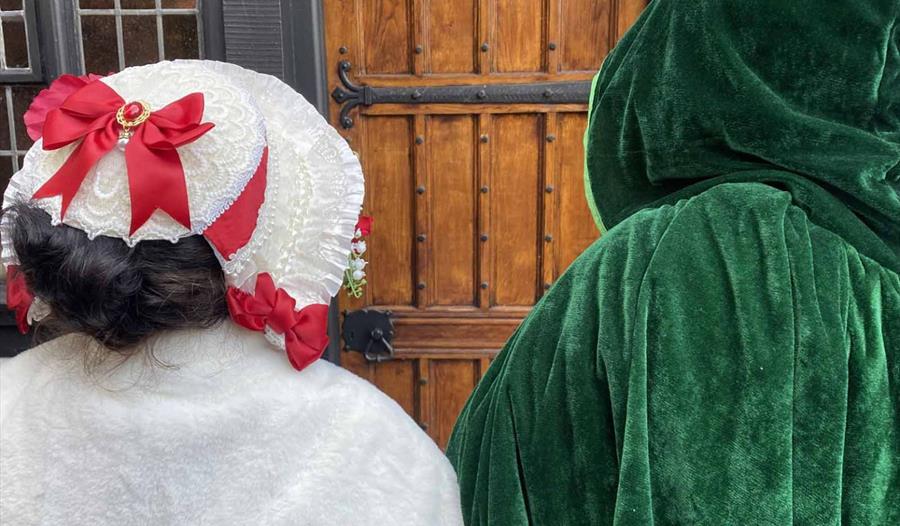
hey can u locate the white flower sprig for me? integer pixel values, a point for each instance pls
(355, 275)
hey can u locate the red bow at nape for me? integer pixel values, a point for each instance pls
(18, 297)
(155, 175)
(305, 332)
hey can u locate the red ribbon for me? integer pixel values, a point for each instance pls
(18, 297)
(155, 175)
(305, 332)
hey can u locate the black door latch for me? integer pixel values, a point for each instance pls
(370, 332)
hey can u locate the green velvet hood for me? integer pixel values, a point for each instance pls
(692, 94)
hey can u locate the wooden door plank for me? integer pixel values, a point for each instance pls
(399, 380)
(387, 35)
(452, 36)
(451, 382)
(515, 216)
(451, 243)
(576, 225)
(585, 35)
(389, 175)
(518, 35)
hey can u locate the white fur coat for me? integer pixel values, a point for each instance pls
(229, 434)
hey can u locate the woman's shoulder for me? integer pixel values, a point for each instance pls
(724, 214)
(359, 406)
(42, 358)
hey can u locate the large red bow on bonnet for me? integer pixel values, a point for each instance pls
(99, 117)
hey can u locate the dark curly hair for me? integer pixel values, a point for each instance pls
(118, 295)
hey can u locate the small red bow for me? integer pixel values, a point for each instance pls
(305, 332)
(18, 297)
(155, 175)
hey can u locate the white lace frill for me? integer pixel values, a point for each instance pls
(14, 194)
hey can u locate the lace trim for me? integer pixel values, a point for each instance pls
(11, 196)
(275, 339)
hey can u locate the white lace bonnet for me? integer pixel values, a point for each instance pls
(311, 186)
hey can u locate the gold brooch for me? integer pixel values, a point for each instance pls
(131, 115)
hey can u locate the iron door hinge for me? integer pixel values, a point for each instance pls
(351, 95)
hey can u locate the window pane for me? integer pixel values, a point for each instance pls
(98, 36)
(15, 42)
(138, 4)
(96, 4)
(22, 97)
(6, 171)
(4, 121)
(181, 36)
(139, 34)
(11, 5)
(182, 4)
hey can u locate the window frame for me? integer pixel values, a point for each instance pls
(35, 72)
(118, 13)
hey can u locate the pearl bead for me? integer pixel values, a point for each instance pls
(122, 143)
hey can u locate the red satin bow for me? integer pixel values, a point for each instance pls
(18, 297)
(305, 332)
(155, 175)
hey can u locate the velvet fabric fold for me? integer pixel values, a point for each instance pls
(727, 353)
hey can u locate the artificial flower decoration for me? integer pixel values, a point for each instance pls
(355, 275)
(52, 98)
(364, 226)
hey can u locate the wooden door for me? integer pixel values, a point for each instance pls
(478, 207)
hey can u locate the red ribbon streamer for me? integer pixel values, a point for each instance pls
(234, 228)
(155, 174)
(305, 332)
(18, 297)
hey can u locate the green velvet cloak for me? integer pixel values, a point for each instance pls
(729, 351)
